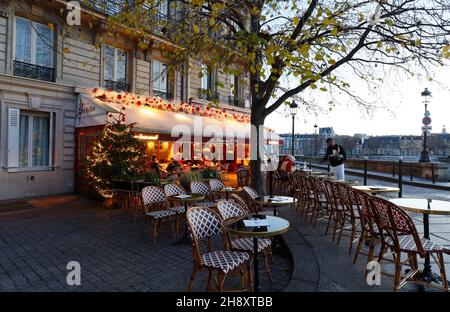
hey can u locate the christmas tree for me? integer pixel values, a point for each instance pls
(116, 154)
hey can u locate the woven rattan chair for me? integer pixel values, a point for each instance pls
(204, 224)
(216, 186)
(399, 234)
(243, 176)
(156, 212)
(173, 189)
(230, 209)
(238, 199)
(200, 187)
(368, 233)
(252, 194)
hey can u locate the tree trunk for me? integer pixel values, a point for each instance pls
(257, 177)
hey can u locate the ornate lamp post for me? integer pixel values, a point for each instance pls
(315, 141)
(424, 156)
(293, 111)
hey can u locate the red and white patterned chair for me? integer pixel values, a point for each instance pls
(156, 212)
(204, 224)
(230, 209)
(200, 187)
(399, 234)
(173, 189)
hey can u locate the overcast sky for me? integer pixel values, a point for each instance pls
(400, 108)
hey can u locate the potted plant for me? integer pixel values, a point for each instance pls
(210, 173)
(188, 177)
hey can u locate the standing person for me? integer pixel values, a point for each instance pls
(336, 155)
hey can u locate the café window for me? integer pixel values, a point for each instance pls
(160, 79)
(29, 139)
(115, 69)
(33, 50)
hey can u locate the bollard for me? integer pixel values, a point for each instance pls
(411, 171)
(400, 178)
(328, 168)
(393, 170)
(433, 179)
(365, 171)
(310, 165)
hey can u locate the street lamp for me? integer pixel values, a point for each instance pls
(315, 141)
(424, 156)
(293, 111)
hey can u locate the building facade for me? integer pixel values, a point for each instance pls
(46, 64)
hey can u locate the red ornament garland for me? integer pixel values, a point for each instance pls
(123, 99)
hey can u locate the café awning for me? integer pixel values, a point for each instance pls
(94, 112)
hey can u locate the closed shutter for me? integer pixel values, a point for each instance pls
(13, 138)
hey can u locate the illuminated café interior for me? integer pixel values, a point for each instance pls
(160, 124)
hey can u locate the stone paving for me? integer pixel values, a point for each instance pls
(35, 247)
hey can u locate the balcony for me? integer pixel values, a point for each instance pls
(208, 95)
(159, 21)
(118, 86)
(234, 101)
(109, 7)
(163, 95)
(33, 71)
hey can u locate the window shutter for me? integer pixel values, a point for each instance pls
(13, 138)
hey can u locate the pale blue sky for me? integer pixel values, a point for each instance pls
(400, 108)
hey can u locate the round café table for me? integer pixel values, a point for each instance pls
(275, 201)
(185, 199)
(274, 226)
(375, 189)
(228, 190)
(426, 207)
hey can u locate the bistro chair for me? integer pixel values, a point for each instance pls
(351, 214)
(368, 234)
(399, 234)
(156, 212)
(238, 199)
(125, 196)
(200, 187)
(252, 195)
(319, 200)
(205, 224)
(243, 176)
(300, 192)
(230, 209)
(173, 189)
(216, 186)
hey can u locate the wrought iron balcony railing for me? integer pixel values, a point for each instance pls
(33, 71)
(163, 95)
(234, 101)
(117, 86)
(160, 21)
(208, 95)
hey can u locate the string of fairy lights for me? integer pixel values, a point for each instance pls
(126, 100)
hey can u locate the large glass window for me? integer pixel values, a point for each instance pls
(115, 68)
(33, 50)
(159, 77)
(33, 43)
(34, 140)
(206, 77)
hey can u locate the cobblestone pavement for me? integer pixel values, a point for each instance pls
(35, 247)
